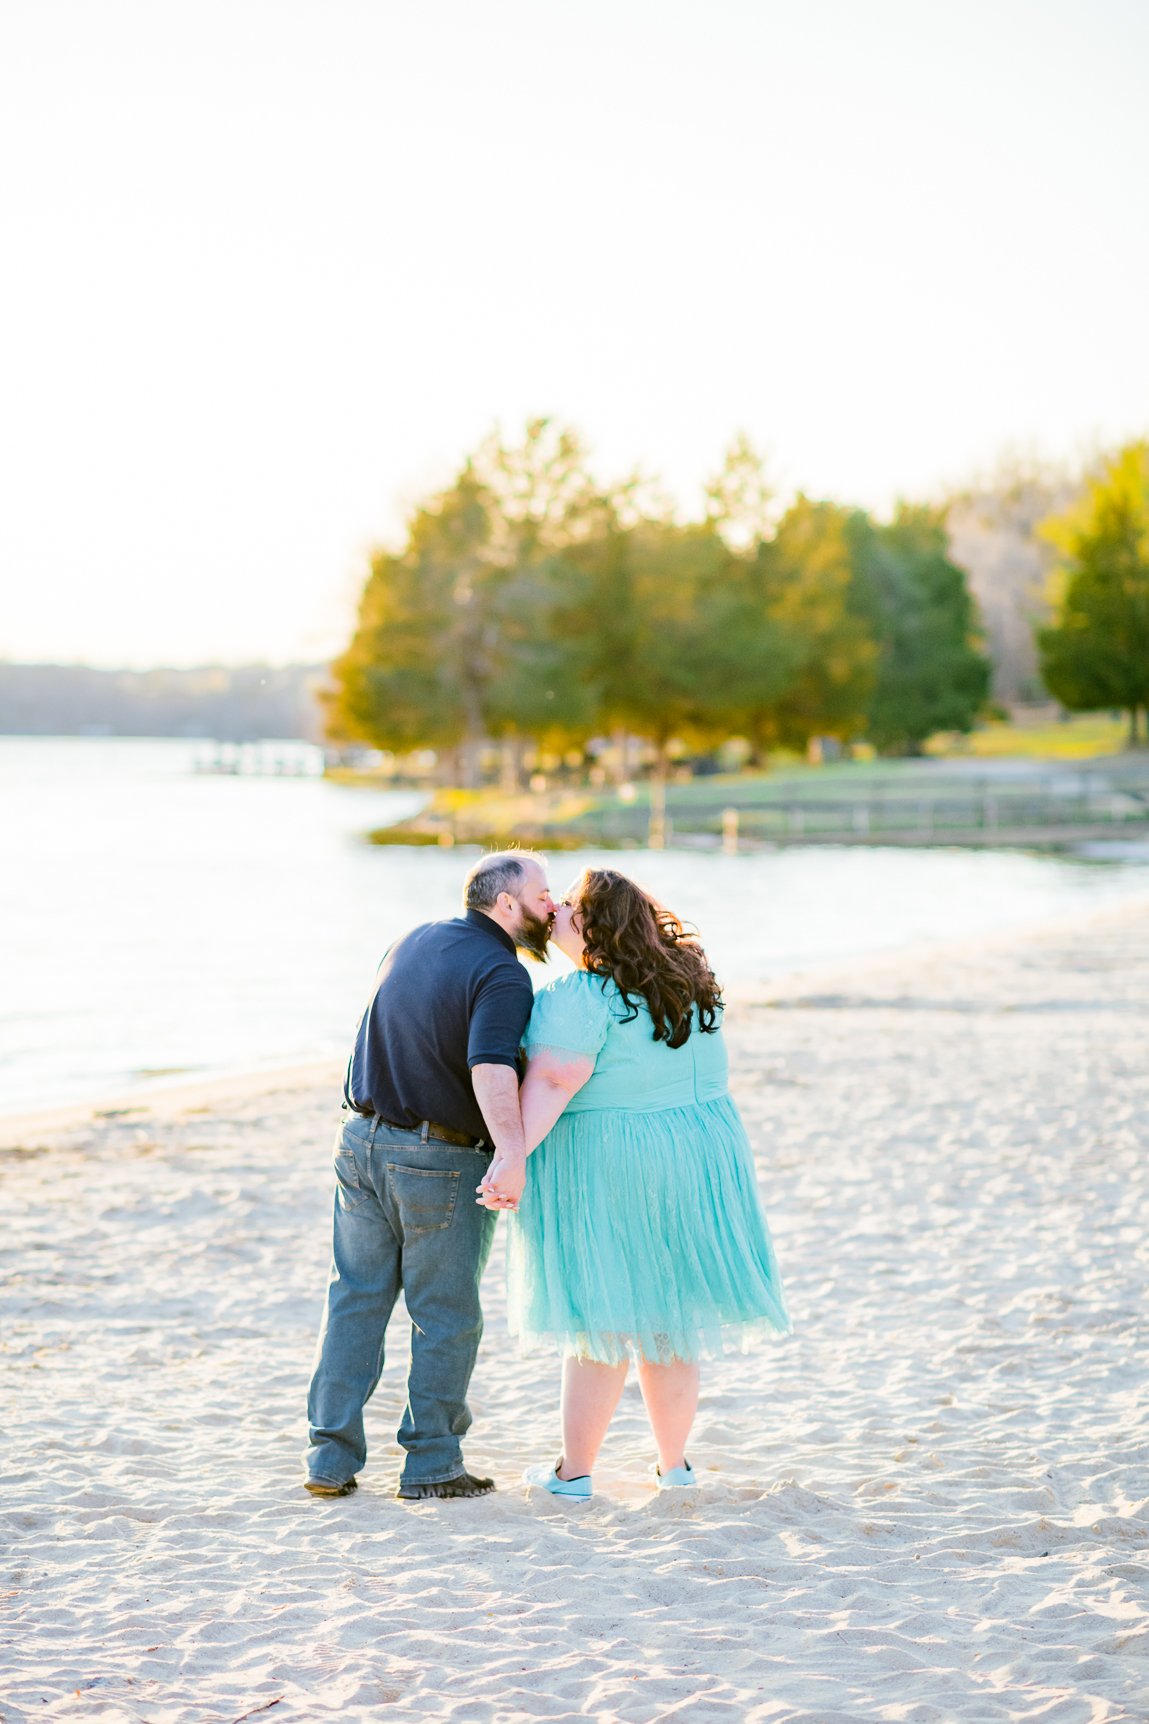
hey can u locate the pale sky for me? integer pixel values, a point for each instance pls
(272, 267)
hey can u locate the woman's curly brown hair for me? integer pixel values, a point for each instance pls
(646, 950)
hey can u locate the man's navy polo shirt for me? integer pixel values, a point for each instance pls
(448, 996)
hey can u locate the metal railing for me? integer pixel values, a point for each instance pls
(861, 818)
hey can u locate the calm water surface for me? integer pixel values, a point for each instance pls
(155, 921)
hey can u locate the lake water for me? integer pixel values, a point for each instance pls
(157, 922)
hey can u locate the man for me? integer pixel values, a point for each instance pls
(432, 1090)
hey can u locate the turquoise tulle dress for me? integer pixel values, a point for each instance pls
(640, 1229)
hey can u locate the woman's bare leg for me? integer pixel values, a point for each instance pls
(671, 1396)
(590, 1394)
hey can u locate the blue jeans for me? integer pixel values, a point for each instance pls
(405, 1217)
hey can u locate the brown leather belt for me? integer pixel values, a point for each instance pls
(431, 1128)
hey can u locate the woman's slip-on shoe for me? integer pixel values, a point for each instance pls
(674, 1478)
(547, 1479)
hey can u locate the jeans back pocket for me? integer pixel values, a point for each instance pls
(424, 1196)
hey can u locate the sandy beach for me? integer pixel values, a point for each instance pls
(927, 1505)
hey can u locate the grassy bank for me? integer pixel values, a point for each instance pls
(1045, 785)
(1083, 737)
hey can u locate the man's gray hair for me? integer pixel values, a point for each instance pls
(502, 871)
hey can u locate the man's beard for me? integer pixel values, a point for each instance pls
(533, 934)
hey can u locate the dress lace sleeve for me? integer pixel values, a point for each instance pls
(572, 1014)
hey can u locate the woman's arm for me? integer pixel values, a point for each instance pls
(553, 1076)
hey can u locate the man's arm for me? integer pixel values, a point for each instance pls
(553, 1076)
(497, 1093)
(498, 1021)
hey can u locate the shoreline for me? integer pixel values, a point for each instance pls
(171, 1100)
(159, 1100)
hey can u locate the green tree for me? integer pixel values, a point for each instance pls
(756, 651)
(739, 498)
(461, 635)
(1096, 653)
(657, 581)
(751, 653)
(414, 673)
(655, 594)
(811, 600)
(930, 673)
(550, 517)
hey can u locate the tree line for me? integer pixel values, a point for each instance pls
(231, 703)
(529, 602)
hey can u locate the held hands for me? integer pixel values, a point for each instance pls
(502, 1185)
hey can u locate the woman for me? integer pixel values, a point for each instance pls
(639, 1230)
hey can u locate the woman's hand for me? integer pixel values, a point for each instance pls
(502, 1184)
